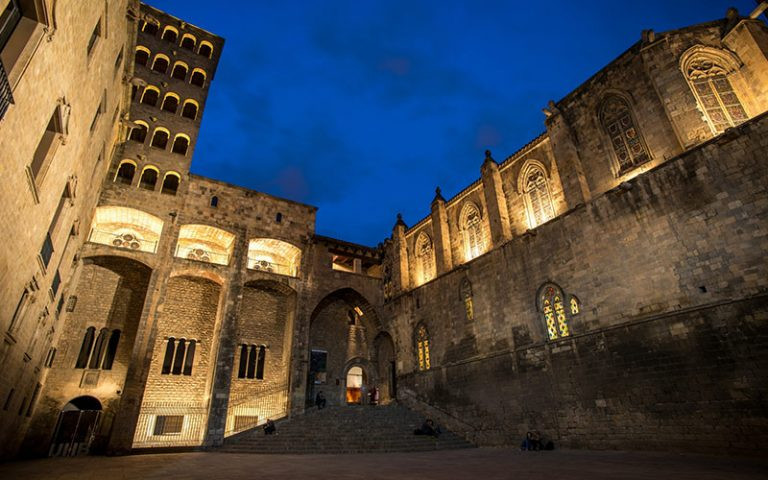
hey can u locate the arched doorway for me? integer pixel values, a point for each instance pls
(385, 362)
(76, 428)
(355, 385)
(343, 327)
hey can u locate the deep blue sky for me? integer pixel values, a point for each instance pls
(361, 108)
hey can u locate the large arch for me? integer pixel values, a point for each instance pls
(261, 359)
(125, 227)
(77, 428)
(343, 328)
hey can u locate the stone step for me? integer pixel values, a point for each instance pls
(345, 430)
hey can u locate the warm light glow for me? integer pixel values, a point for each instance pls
(272, 255)
(124, 227)
(205, 243)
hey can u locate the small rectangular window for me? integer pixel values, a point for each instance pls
(46, 147)
(168, 424)
(8, 399)
(33, 400)
(94, 37)
(20, 309)
(46, 251)
(119, 61)
(56, 283)
(9, 18)
(99, 110)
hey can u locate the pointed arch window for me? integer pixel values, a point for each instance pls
(422, 347)
(425, 258)
(708, 72)
(626, 139)
(472, 230)
(538, 199)
(553, 307)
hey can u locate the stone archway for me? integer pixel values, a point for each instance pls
(343, 327)
(76, 428)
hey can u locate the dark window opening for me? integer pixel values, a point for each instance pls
(150, 97)
(168, 424)
(179, 357)
(126, 172)
(85, 348)
(160, 139)
(279, 217)
(170, 104)
(170, 36)
(214, 201)
(188, 43)
(179, 72)
(109, 358)
(205, 50)
(180, 145)
(56, 283)
(197, 79)
(46, 252)
(50, 357)
(243, 361)
(160, 65)
(148, 179)
(151, 28)
(189, 111)
(9, 18)
(260, 364)
(94, 36)
(168, 359)
(98, 349)
(170, 185)
(46, 147)
(139, 133)
(141, 57)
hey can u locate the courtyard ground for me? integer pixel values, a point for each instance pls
(484, 463)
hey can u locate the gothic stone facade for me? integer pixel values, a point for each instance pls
(606, 284)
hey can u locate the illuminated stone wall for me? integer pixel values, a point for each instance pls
(667, 350)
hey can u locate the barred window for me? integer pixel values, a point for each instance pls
(168, 424)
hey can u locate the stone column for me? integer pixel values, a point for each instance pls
(566, 153)
(400, 271)
(225, 355)
(442, 240)
(495, 201)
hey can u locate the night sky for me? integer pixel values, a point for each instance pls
(362, 108)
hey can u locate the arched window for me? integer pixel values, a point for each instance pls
(188, 41)
(98, 348)
(125, 172)
(535, 188)
(179, 71)
(170, 348)
(425, 258)
(422, 347)
(148, 178)
(180, 144)
(170, 34)
(260, 362)
(198, 77)
(150, 95)
(465, 293)
(139, 132)
(472, 230)
(206, 49)
(150, 28)
(214, 201)
(190, 109)
(551, 304)
(170, 102)
(160, 65)
(85, 348)
(109, 357)
(708, 71)
(170, 183)
(626, 139)
(179, 356)
(141, 57)
(160, 138)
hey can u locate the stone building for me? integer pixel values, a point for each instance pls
(606, 284)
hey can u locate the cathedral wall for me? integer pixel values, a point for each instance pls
(666, 269)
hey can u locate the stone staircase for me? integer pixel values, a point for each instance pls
(351, 429)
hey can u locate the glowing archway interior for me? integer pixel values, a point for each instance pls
(205, 243)
(124, 227)
(274, 255)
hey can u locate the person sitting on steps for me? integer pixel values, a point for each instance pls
(320, 400)
(269, 427)
(428, 428)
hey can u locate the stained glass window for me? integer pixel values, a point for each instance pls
(715, 93)
(626, 139)
(426, 259)
(472, 225)
(538, 199)
(553, 310)
(422, 347)
(466, 297)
